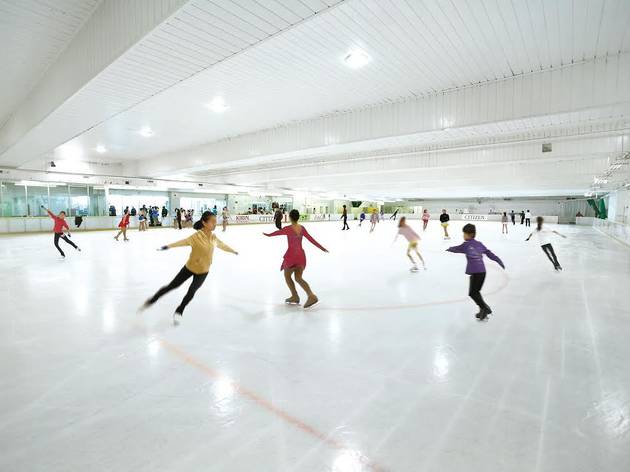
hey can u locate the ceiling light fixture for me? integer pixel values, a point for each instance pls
(101, 149)
(356, 59)
(146, 131)
(217, 105)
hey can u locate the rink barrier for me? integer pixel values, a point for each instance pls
(43, 224)
(618, 231)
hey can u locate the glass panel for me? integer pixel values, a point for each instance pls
(13, 201)
(97, 202)
(58, 198)
(79, 200)
(36, 197)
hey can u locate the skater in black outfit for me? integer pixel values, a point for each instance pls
(444, 219)
(393, 217)
(522, 215)
(513, 217)
(344, 216)
(277, 218)
(178, 218)
(544, 238)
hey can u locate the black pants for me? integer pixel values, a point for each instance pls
(522, 219)
(474, 292)
(279, 224)
(345, 223)
(528, 222)
(180, 278)
(513, 222)
(65, 238)
(179, 223)
(548, 249)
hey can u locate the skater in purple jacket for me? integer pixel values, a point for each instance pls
(475, 267)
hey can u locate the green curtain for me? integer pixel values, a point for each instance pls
(599, 206)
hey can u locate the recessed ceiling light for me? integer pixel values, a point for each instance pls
(146, 131)
(101, 149)
(217, 105)
(356, 59)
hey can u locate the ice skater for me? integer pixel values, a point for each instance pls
(393, 217)
(224, 218)
(544, 238)
(202, 244)
(373, 219)
(294, 261)
(444, 219)
(522, 215)
(412, 238)
(58, 230)
(475, 267)
(504, 223)
(513, 217)
(124, 223)
(142, 220)
(361, 218)
(344, 217)
(277, 218)
(528, 219)
(425, 219)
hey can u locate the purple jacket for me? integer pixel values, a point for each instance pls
(474, 251)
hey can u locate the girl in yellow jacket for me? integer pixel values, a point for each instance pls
(202, 245)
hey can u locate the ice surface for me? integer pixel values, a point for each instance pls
(389, 372)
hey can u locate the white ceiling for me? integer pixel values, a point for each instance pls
(279, 62)
(416, 48)
(33, 33)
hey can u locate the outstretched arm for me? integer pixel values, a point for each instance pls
(183, 242)
(457, 249)
(224, 247)
(312, 240)
(530, 235)
(279, 232)
(494, 257)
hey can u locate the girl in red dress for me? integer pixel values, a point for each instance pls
(124, 222)
(294, 261)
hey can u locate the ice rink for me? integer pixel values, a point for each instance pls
(389, 372)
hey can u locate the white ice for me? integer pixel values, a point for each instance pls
(389, 372)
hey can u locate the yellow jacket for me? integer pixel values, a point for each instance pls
(202, 251)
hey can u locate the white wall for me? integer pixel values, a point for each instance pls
(619, 206)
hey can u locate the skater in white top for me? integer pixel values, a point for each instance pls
(504, 223)
(413, 238)
(544, 238)
(528, 218)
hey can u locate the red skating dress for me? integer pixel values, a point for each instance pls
(295, 256)
(124, 222)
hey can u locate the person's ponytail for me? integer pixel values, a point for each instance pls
(205, 217)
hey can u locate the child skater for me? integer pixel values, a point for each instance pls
(361, 218)
(202, 244)
(413, 238)
(224, 217)
(544, 238)
(475, 267)
(504, 223)
(425, 219)
(294, 261)
(142, 220)
(60, 224)
(124, 222)
(373, 219)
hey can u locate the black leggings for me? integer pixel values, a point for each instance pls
(278, 224)
(345, 223)
(548, 249)
(474, 292)
(180, 278)
(65, 238)
(528, 222)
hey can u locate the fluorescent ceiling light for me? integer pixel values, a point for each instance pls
(34, 183)
(217, 105)
(146, 131)
(101, 149)
(356, 59)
